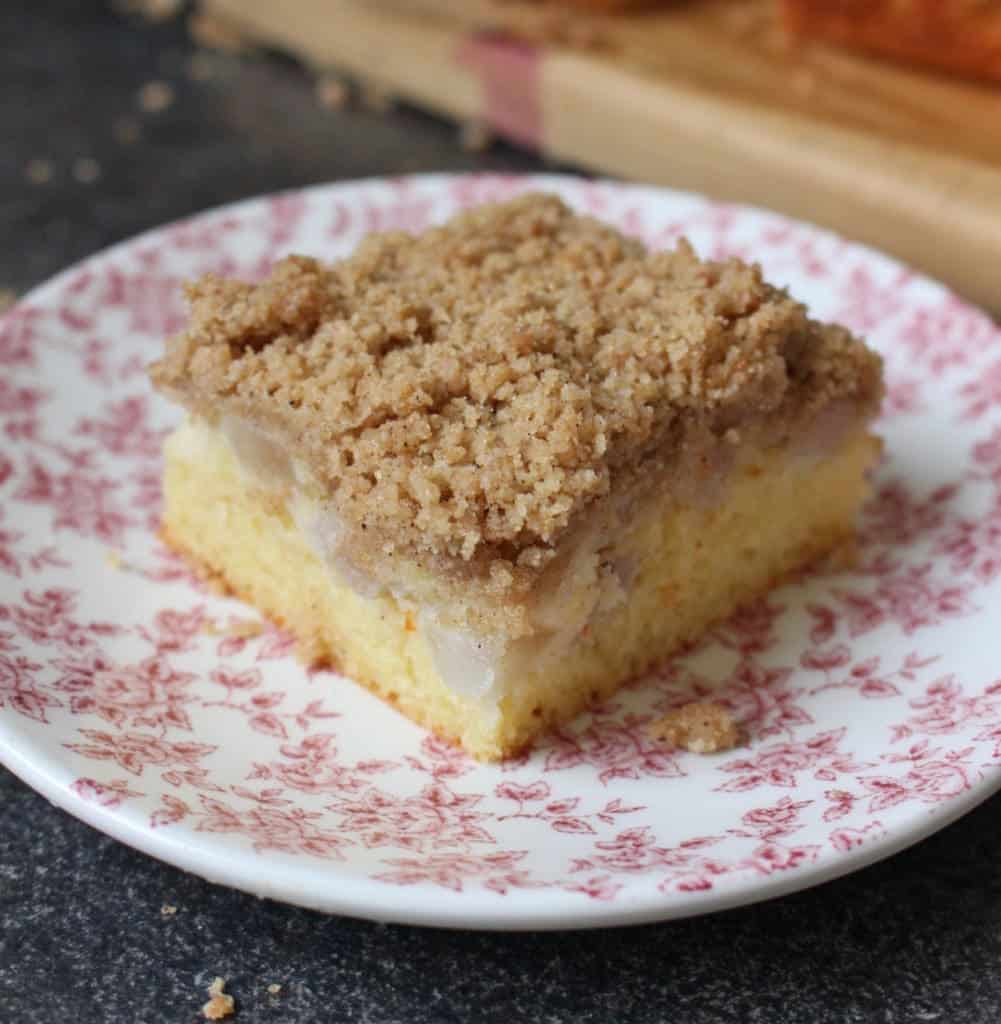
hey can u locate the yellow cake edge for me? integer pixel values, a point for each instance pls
(317, 648)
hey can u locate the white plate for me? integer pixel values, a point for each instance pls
(872, 699)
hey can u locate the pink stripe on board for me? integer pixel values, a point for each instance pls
(510, 72)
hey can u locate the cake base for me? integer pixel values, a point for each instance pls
(697, 565)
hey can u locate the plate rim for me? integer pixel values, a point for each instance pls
(424, 904)
(428, 906)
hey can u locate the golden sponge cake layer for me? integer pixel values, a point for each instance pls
(690, 566)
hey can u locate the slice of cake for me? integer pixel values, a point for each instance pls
(494, 471)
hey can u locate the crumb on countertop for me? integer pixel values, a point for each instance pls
(156, 96)
(700, 727)
(220, 1004)
(274, 989)
(39, 171)
(168, 910)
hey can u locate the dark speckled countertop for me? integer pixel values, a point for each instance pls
(82, 937)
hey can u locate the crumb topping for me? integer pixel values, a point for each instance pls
(701, 727)
(466, 392)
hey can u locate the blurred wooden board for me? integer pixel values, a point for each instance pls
(708, 96)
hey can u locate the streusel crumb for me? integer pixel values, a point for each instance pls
(465, 393)
(701, 727)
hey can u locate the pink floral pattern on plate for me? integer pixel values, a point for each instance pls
(871, 699)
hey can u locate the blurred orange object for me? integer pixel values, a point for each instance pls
(958, 35)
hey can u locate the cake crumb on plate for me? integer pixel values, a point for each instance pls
(86, 170)
(701, 727)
